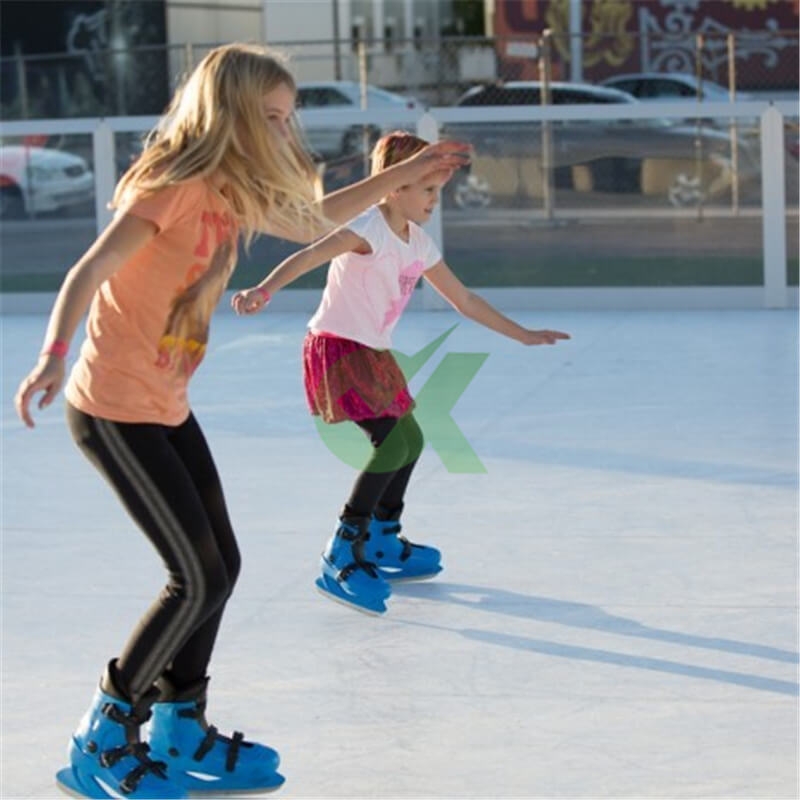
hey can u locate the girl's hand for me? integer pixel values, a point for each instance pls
(47, 376)
(542, 337)
(443, 158)
(250, 301)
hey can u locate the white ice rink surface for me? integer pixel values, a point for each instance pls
(617, 618)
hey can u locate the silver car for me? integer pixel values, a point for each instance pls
(331, 141)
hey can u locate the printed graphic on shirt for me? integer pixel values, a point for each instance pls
(407, 280)
(183, 342)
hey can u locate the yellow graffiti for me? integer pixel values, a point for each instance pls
(753, 5)
(607, 39)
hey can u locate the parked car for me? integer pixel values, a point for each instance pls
(337, 140)
(36, 180)
(665, 86)
(515, 93)
(651, 156)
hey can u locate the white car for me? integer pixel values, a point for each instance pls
(329, 140)
(36, 180)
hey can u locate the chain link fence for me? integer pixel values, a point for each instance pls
(437, 72)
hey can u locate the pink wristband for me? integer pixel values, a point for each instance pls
(58, 348)
(265, 295)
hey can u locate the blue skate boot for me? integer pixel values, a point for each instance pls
(349, 577)
(198, 757)
(107, 758)
(398, 559)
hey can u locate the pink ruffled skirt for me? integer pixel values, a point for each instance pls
(346, 380)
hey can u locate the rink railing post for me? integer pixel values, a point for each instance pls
(773, 199)
(428, 129)
(105, 176)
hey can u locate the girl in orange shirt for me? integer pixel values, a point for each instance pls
(226, 161)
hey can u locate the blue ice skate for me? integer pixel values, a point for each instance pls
(347, 576)
(198, 757)
(398, 559)
(107, 759)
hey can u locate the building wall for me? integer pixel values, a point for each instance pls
(190, 21)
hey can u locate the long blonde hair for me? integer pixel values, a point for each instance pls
(215, 125)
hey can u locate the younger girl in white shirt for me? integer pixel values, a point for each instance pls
(351, 374)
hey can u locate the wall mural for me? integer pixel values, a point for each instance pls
(659, 36)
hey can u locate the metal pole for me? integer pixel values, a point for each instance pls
(188, 57)
(362, 80)
(547, 133)
(575, 41)
(362, 72)
(337, 47)
(698, 139)
(734, 133)
(22, 83)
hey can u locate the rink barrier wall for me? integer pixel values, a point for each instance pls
(774, 293)
(612, 298)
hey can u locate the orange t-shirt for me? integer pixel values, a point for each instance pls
(137, 358)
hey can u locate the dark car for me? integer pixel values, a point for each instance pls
(516, 93)
(670, 87)
(651, 156)
(666, 86)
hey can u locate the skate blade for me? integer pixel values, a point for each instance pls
(398, 577)
(236, 792)
(323, 589)
(66, 782)
(69, 791)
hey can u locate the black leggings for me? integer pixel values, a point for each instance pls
(166, 479)
(383, 481)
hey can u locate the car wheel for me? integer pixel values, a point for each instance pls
(12, 206)
(685, 191)
(472, 192)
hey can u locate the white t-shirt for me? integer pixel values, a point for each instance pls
(366, 294)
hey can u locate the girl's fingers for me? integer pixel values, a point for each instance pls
(23, 400)
(48, 396)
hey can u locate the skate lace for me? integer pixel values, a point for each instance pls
(212, 736)
(133, 748)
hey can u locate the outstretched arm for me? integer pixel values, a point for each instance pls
(123, 237)
(342, 240)
(474, 307)
(440, 159)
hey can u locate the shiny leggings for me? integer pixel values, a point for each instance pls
(166, 479)
(397, 446)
